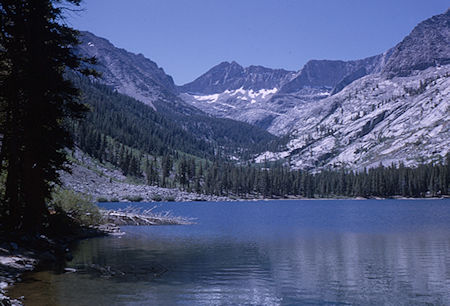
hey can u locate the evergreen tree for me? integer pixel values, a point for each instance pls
(37, 48)
(183, 173)
(151, 173)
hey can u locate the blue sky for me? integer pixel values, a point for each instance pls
(188, 37)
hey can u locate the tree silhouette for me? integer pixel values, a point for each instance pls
(36, 100)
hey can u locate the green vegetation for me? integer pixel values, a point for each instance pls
(118, 123)
(157, 198)
(125, 133)
(40, 112)
(35, 102)
(153, 149)
(78, 207)
(134, 198)
(276, 180)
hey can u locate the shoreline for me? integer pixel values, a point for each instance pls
(21, 254)
(106, 184)
(228, 199)
(110, 185)
(26, 253)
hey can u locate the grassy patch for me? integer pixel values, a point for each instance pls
(78, 207)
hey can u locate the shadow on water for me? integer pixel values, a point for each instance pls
(264, 253)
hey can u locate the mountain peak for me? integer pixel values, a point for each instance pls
(329, 73)
(231, 76)
(427, 45)
(128, 73)
(225, 64)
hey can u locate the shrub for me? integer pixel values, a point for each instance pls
(134, 198)
(102, 199)
(114, 200)
(76, 206)
(170, 199)
(157, 198)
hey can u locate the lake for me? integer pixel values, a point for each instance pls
(295, 252)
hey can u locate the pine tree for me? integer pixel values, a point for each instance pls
(151, 173)
(37, 48)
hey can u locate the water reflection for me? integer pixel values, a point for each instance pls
(271, 260)
(361, 269)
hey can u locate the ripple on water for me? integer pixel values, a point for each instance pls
(271, 253)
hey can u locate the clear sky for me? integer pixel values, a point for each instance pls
(188, 37)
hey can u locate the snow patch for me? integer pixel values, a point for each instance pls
(208, 98)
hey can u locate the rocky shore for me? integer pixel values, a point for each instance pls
(23, 253)
(105, 184)
(13, 262)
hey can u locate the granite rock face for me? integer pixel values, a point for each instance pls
(428, 45)
(390, 107)
(258, 95)
(327, 74)
(128, 73)
(222, 91)
(373, 120)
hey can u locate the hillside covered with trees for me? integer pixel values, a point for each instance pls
(155, 150)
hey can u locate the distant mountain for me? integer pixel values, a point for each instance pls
(140, 78)
(387, 108)
(128, 73)
(258, 95)
(227, 90)
(428, 45)
(232, 76)
(397, 112)
(317, 80)
(373, 120)
(327, 74)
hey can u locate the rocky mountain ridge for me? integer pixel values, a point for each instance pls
(258, 95)
(232, 76)
(426, 46)
(329, 73)
(387, 108)
(373, 120)
(246, 99)
(128, 73)
(140, 78)
(365, 99)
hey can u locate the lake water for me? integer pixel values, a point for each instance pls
(336, 252)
